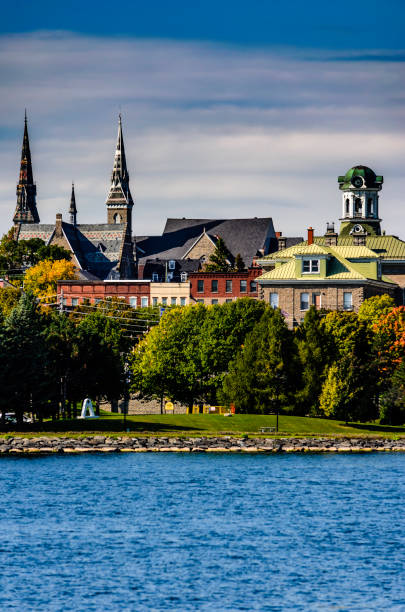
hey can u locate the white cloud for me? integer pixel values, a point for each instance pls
(210, 130)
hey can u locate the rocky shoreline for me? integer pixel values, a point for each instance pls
(127, 444)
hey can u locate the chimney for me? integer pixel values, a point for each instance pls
(58, 226)
(282, 242)
(310, 236)
(331, 237)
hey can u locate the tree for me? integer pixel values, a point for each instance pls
(221, 336)
(219, 260)
(315, 351)
(42, 279)
(350, 390)
(239, 264)
(266, 372)
(374, 308)
(166, 362)
(23, 376)
(390, 338)
(392, 401)
(17, 255)
(9, 298)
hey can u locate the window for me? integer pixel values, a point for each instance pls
(75, 301)
(144, 302)
(200, 301)
(347, 206)
(183, 277)
(228, 300)
(274, 300)
(155, 277)
(164, 301)
(64, 301)
(304, 301)
(310, 266)
(182, 301)
(316, 300)
(229, 286)
(117, 218)
(214, 286)
(214, 301)
(200, 286)
(347, 300)
(174, 301)
(357, 206)
(243, 286)
(253, 286)
(370, 207)
(97, 300)
(133, 302)
(172, 265)
(154, 301)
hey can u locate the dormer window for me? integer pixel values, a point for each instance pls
(310, 266)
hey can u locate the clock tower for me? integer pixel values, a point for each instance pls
(360, 187)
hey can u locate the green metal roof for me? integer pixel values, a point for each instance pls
(369, 176)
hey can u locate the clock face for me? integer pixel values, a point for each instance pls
(358, 181)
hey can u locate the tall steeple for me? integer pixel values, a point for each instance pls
(26, 209)
(119, 201)
(73, 209)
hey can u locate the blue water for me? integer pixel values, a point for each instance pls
(202, 532)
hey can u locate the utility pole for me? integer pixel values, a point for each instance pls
(61, 302)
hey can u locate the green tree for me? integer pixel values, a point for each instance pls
(392, 400)
(350, 390)
(221, 336)
(266, 374)
(220, 259)
(239, 264)
(23, 377)
(315, 351)
(167, 363)
(374, 308)
(16, 255)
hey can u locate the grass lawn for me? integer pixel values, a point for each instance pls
(211, 425)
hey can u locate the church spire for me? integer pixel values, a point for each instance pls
(73, 209)
(119, 200)
(26, 209)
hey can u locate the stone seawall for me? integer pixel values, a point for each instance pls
(105, 444)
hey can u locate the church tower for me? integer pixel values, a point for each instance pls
(119, 201)
(26, 209)
(73, 209)
(360, 187)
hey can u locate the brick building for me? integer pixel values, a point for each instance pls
(338, 271)
(135, 293)
(221, 287)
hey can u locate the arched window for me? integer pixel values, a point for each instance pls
(117, 218)
(357, 206)
(347, 206)
(369, 207)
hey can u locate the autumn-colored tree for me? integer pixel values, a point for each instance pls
(390, 338)
(42, 279)
(9, 298)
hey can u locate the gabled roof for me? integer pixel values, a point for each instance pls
(249, 237)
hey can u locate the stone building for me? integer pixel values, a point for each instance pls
(338, 271)
(100, 250)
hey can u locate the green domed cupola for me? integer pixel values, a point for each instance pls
(360, 186)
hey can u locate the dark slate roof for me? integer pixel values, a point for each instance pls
(158, 266)
(291, 241)
(96, 246)
(245, 236)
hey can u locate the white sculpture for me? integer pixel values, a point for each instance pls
(87, 405)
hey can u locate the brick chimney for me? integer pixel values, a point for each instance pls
(331, 237)
(310, 235)
(281, 240)
(58, 226)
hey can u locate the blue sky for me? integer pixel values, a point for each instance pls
(229, 108)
